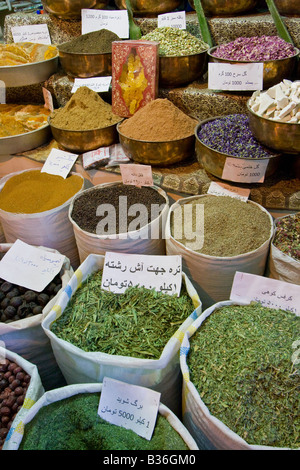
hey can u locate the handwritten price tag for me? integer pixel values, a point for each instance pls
(244, 171)
(221, 189)
(129, 406)
(37, 33)
(162, 273)
(59, 163)
(137, 175)
(235, 77)
(174, 20)
(113, 20)
(97, 84)
(48, 99)
(269, 292)
(30, 267)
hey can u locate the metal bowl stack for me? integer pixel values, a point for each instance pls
(67, 9)
(85, 65)
(181, 70)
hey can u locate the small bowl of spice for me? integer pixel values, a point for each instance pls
(274, 116)
(278, 56)
(85, 123)
(182, 56)
(230, 137)
(158, 134)
(88, 55)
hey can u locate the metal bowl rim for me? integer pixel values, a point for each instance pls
(267, 119)
(273, 155)
(83, 53)
(154, 141)
(86, 130)
(179, 56)
(29, 64)
(251, 61)
(24, 133)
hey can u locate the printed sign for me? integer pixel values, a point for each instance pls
(173, 19)
(113, 20)
(97, 84)
(235, 77)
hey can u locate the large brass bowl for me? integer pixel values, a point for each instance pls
(274, 71)
(214, 161)
(288, 7)
(225, 7)
(280, 136)
(85, 65)
(84, 141)
(23, 142)
(67, 9)
(181, 70)
(158, 153)
(150, 7)
(28, 74)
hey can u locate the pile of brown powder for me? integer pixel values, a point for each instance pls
(158, 121)
(95, 42)
(86, 110)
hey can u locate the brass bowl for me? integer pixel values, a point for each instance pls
(288, 7)
(158, 153)
(85, 65)
(279, 136)
(23, 142)
(274, 71)
(181, 70)
(225, 7)
(84, 141)
(150, 7)
(213, 161)
(67, 9)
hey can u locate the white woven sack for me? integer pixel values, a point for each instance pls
(208, 431)
(137, 242)
(50, 228)
(78, 366)
(34, 392)
(62, 393)
(27, 338)
(280, 265)
(213, 275)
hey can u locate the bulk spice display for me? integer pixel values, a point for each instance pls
(73, 424)
(137, 323)
(240, 363)
(96, 42)
(18, 119)
(287, 235)
(25, 53)
(176, 42)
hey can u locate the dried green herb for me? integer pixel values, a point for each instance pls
(240, 361)
(287, 235)
(137, 323)
(73, 424)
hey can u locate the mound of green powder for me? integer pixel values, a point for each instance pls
(73, 424)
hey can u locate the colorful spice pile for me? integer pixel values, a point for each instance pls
(25, 53)
(86, 110)
(18, 119)
(158, 121)
(14, 382)
(231, 226)
(232, 135)
(17, 302)
(95, 42)
(255, 49)
(287, 235)
(137, 323)
(240, 363)
(119, 220)
(32, 192)
(176, 42)
(74, 424)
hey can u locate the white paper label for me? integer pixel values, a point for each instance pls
(268, 292)
(129, 406)
(59, 163)
(174, 20)
(29, 266)
(48, 99)
(2, 92)
(37, 33)
(235, 77)
(221, 189)
(137, 175)
(117, 155)
(97, 84)
(113, 20)
(94, 156)
(159, 272)
(244, 171)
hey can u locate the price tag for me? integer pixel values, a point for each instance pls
(137, 175)
(174, 20)
(129, 406)
(30, 267)
(235, 77)
(244, 171)
(2, 92)
(97, 84)
(159, 272)
(37, 33)
(48, 99)
(222, 189)
(117, 155)
(268, 292)
(59, 163)
(95, 156)
(113, 20)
